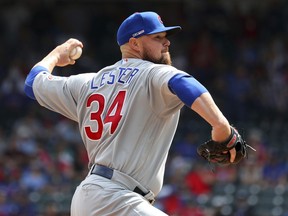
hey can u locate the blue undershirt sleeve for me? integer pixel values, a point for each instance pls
(30, 79)
(187, 88)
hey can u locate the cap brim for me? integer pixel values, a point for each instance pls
(169, 30)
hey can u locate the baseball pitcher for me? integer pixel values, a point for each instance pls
(127, 114)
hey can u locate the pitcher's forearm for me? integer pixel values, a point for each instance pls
(49, 62)
(60, 56)
(207, 109)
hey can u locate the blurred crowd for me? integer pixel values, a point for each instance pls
(237, 49)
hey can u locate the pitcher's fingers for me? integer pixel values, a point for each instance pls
(232, 155)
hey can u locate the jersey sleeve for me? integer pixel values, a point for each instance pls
(59, 94)
(186, 87)
(28, 89)
(162, 99)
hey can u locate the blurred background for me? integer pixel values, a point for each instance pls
(236, 48)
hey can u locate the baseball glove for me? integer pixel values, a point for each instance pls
(218, 152)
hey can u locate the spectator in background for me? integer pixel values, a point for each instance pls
(33, 178)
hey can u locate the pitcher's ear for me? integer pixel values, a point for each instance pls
(134, 44)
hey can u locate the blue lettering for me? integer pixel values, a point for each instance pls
(133, 73)
(103, 78)
(93, 86)
(122, 73)
(125, 75)
(112, 76)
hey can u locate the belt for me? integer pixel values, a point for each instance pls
(126, 180)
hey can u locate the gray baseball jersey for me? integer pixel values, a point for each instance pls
(126, 113)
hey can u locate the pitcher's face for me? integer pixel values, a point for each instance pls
(155, 48)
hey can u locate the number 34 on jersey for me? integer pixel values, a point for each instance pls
(112, 117)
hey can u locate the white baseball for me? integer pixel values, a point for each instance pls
(76, 53)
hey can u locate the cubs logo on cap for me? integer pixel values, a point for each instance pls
(160, 20)
(142, 23)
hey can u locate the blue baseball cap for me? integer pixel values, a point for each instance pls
(144, 23)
